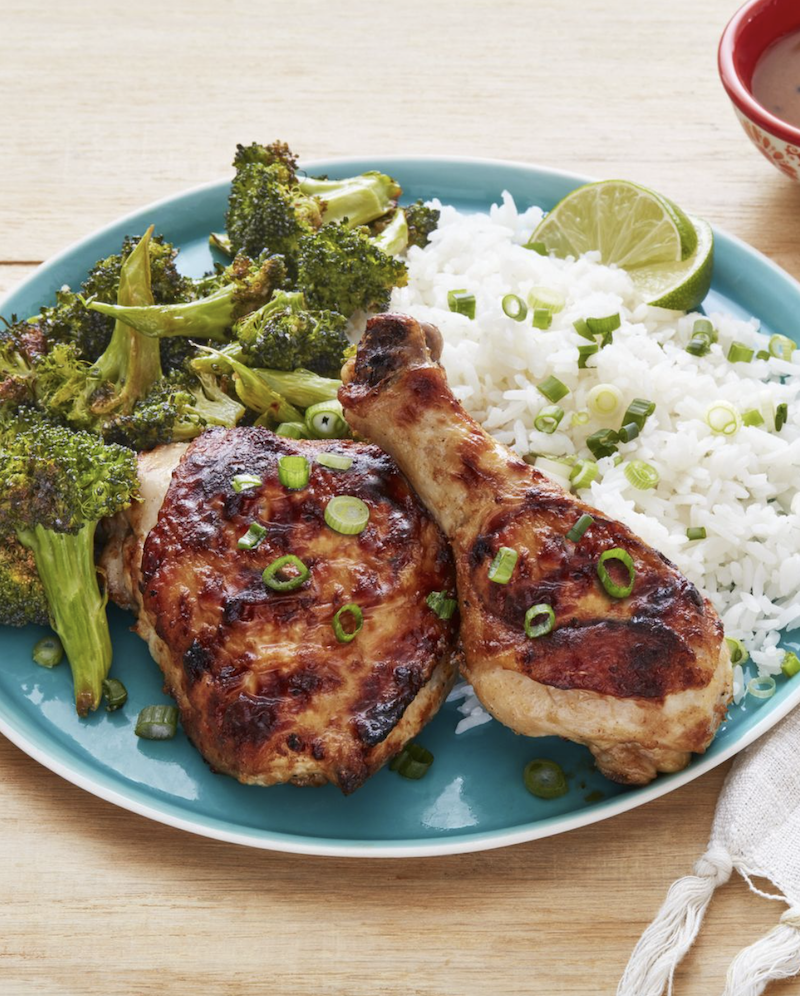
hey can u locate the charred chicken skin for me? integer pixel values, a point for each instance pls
(266, 690)
(642, 680)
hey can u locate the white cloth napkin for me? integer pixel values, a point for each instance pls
(756, 830)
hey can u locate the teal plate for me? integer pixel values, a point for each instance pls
(473, 797)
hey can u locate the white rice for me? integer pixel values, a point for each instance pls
(741, 488)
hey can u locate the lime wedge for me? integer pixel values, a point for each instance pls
(668, 255)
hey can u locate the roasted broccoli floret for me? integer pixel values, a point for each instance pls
(179, 407)
(343, 270)
(267, 155)
(22, 598)
(232, 293)
(90, 331)
(354, 201)
(421, 220)
(55, 486)
(21, 345)
(284, 335)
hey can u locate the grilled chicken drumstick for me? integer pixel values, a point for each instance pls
(642, 680)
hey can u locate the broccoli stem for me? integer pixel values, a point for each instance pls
(301, 387)
(356, 200)
(65, 562)
(207, 318)
(394, 238)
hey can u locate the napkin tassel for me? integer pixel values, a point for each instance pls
(774, 956)
(664, 943)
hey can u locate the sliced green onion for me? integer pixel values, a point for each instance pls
(638, 411)
(115, 694)
(696, 532)
(723, 418)
(441, 603)
(576, 533)
(48, 652)
(343, 635)
(583, 473)
(462, 302)
(334, 461)
(326, 421)
(584, 352)
(614, 589)
(545, 779)
(548, 419)
(602, 443)
(347, 515)
(604, 399)
(704, 327)
(628, 432)
(753, 417)
(763, 354)
(790, 664)
(642, 475)
(739, 353)
(502, 567)
(782, 347)
(699, 345)
(542, 318)
(293, 472)
(292, 430)
(250, 540)
(583, 330)
(275, 577)
(157, 722)
(762, 688)
(604, 326)
(545, 297)
(413, 761)
(542, 628)
(539, 247)
(243, 482)
(781, 416)
(739, 654)
(580, 418)
(514, 307)
(553, 389)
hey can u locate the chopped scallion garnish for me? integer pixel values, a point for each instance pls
(584, 352)
(623, 557)
(699, 345)
(604, 399)
(753, 417)
(115, 694)
(413, 761)
(462, 302)
(580, 418)
(696, 532)
(514, 307)
(48, 652)
(334, 461)
(157, 722)
(739, 654)
(582, 474)
(548, 298)
(545, 779)
(542, 628)
(641, 475)
(603, 443)
(548, 419)
(347, 515)
(542, 318)
(576, 533)
(705, 328)
(781, 415)
(762, 688)
(763, 354)
(790, 664)
(628, 432)
(638, 411)
(346, 635)
(604, 326)
(293, 472)
(583, 330)
(442, 604)
(782, 347)
(553, 389)
(277, 577)
(723, 418)
(326, 421)
(243, 482)
(502, 567)
(250, 540)
(739, 353)
(292, 430)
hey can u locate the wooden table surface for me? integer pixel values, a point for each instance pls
(106, 106)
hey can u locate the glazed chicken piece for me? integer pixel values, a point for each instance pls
(642, 680)
(266, 690)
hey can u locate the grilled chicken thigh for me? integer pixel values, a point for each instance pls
(266, 691)
(642, 680)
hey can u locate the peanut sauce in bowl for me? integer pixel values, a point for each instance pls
(776, 80)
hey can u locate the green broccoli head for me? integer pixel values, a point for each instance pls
(421, 220)
(285, 335)
(22, 597)
(179, 408)
(267, 155)
(69, 320)
(20, 346)
(342, 270)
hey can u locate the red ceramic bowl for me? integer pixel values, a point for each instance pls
(752, 30)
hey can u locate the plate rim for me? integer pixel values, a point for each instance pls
(211, 827)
